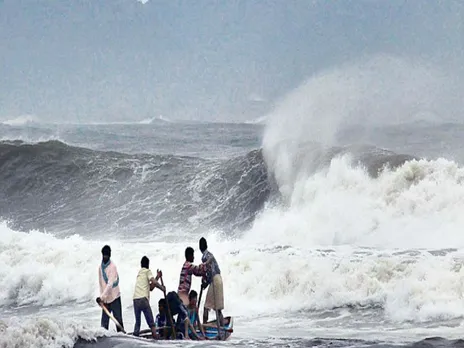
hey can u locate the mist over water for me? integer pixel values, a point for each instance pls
(341, 182)
(350, 105)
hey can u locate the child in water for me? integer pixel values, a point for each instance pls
(194, 317)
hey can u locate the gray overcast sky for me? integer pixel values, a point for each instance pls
(121, 60)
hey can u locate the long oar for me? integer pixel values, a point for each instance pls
(199, 298)
(148, 331)
(173, 335)
(111, 316)
(199, 301)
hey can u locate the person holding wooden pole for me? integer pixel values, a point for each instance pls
(110, 295)
(145, 283)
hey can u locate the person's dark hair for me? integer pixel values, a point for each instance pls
(145, 262)
(193, 294)
(162, 302)
(106, 250)
(203, 244)
(188, 252)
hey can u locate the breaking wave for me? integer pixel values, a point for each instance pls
(64, 188)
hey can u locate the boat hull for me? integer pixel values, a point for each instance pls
(211, 330)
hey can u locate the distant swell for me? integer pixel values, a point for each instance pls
(55, 186)
(63, 188)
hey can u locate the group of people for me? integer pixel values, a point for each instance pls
(182, 303)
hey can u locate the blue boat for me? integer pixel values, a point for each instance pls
(210, 328)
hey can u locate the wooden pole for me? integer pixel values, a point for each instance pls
(102, 305)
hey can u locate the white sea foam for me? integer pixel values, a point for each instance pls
(285, 261)
(345, 240)
(418, 205)
(44, 332)
(21, 120)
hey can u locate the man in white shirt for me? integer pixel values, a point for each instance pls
(110, 294)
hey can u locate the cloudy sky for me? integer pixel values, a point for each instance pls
(114, 60)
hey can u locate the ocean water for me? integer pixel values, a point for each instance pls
(353, 242)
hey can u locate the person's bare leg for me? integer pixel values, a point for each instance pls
(154, 333)
(186, 335)
(205, 315)
(221, 317)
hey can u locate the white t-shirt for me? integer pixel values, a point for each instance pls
(108, 293)
(142, 284)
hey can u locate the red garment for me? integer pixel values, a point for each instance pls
(185, 281)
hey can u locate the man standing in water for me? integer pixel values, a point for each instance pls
(110, 294)
(213, 279)
(185, 279)
(145, 283)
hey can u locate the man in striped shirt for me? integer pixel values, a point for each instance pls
(185, 280)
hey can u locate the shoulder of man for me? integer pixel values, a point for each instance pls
(113, 265)
(187, 264)
(206, 255)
